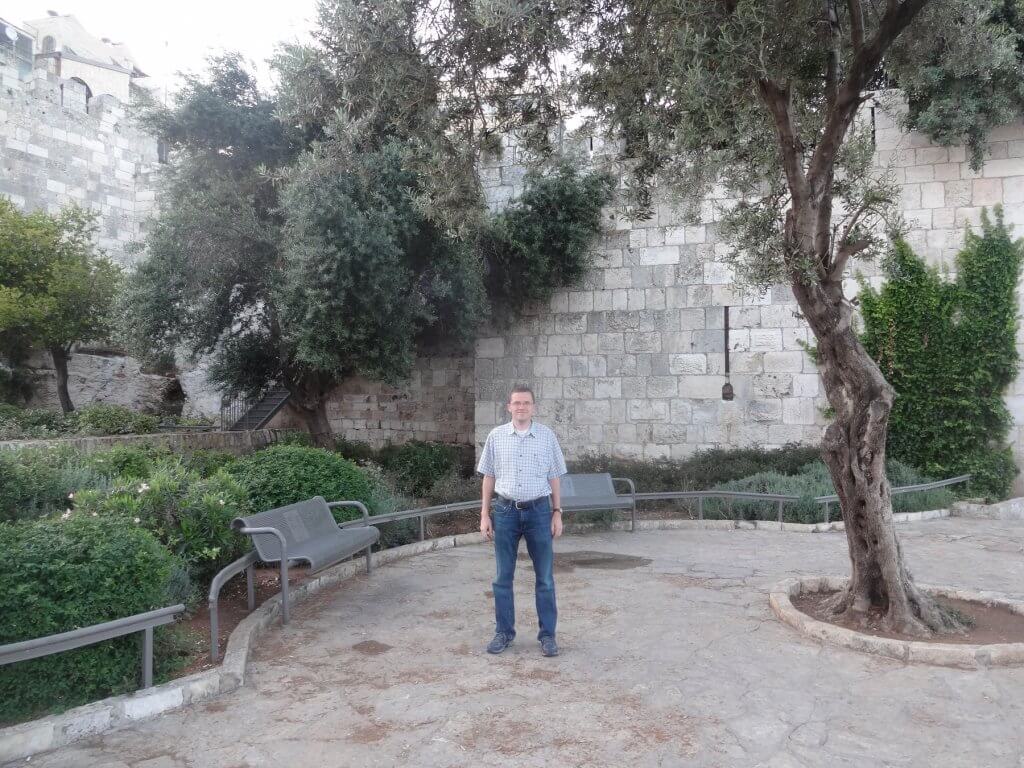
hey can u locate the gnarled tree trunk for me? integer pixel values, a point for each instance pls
(309, 398)
(854, 451)
(60, 366)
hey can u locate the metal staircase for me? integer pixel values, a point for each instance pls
(244, 414)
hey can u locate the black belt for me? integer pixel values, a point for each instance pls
(519, 504)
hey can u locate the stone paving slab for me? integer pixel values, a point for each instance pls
(675, 660)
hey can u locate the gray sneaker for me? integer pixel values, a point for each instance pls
(548, 646)
(500, 642)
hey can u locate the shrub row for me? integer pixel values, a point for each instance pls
(97, 420)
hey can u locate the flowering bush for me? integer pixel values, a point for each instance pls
(191, 515)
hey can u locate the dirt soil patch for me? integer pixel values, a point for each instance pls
(991, 624)
(232, 608)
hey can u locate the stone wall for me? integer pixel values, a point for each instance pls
(110, 379)
(436, 405)
(53, 152)
(631, 362)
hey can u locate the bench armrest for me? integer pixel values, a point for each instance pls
(357, 504)
(632, 485)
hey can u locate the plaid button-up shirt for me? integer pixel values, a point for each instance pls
(522, 466)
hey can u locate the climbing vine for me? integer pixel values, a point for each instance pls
(948, 348)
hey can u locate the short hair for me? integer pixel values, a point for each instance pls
(521, 388)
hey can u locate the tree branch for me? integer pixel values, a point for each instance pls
(777, 100)
(898, 17)
(843, 256)
(856, 25)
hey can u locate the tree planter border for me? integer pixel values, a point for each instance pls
(961, 656)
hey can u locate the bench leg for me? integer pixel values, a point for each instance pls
(369, 559)
(284, 591)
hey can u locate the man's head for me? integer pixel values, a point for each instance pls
(521, 405)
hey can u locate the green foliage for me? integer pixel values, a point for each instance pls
(541, 242)
(55, 289)
(100, 419)
(191, 515)
(36, 482)
(809, 482)
(417, 465)
(206, 463)
(284, 474)
(703, 470)
(953, 97)
(63, 574)
(104, 419)
(948, 348)
(367, 277)
(122, 461)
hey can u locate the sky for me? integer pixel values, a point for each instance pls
(168, 37)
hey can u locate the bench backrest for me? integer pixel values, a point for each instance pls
(301, 523)
(591, 490)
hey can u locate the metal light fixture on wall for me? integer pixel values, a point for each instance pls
(727, 391)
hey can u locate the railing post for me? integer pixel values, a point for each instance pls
(700, 507)
(147, 657)
(781, 502)
(250, 587)
(826, 512)
(285, 613)
(423, 534)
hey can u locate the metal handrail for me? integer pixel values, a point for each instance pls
(97, 633)
(246, 563)
(780, 498)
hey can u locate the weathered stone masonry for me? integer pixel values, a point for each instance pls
(632, 361)
(54, 153)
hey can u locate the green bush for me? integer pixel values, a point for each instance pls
(703, 470)
(206, 463)
(27, 423)
(949, 350)
(356, 451)
(103, 419)
(189, 514)
(284, 474)
(814, 480)
(36, 482)
(417, 465)
(122, 460)
(59, 575)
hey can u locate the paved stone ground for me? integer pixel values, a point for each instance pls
(676, 661)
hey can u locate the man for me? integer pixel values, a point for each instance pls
(522, 464)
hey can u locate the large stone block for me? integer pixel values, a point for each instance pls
(647, 410)
(701, 387)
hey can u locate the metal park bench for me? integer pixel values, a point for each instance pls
(597, 491)
(305, 532)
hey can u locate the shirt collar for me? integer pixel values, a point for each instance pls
(529, 432)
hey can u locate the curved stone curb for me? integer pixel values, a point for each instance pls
(962, 656)
(745, 525)
(18, 742)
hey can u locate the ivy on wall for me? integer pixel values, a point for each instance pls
(948, 348)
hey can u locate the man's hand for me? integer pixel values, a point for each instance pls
(556, 524)
(486, 528)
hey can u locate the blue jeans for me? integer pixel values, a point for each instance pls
(534, 524)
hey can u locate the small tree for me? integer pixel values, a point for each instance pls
(55, 289)
(949, 350)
